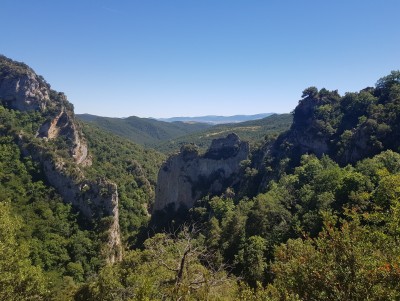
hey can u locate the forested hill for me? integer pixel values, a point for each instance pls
(70, 197)
(144, 131)
(168, 137)
(347, 128)
(253, 131)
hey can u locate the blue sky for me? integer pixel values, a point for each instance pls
(159, 58)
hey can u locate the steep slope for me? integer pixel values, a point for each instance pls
(54, 139)
(144, 131)
(133, 168)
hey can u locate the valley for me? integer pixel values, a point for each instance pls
(300, 206)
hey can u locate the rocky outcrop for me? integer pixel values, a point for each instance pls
(63, 124)
(95, 200)
(21, 89)
(306, 134)
(188, 176)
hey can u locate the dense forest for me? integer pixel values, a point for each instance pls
(169, 137)
(253, 131)
(316, 217)
(145, 131)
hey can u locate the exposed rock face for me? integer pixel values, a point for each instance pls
(187, 176)
(64, 125)
(94, 199)
(21, 89)
(303, 134)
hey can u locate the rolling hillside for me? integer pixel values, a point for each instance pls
(252, 131)
(168, 137)
(144, 131)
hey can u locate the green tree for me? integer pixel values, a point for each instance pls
(252, 260)
(350, 262)
(19, 279)
(311, 92)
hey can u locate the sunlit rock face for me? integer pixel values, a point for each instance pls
(22, 89)
(188, 176)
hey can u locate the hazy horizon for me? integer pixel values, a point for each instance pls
(172, 117)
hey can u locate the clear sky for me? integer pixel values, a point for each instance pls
(164, 58)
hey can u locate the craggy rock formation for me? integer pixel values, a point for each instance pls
(63, 124)
(187, 176)
(95, 200)
(21, 89)
(305, 132)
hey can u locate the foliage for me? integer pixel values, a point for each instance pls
(53, 239)
(133, 168)
(294, 207)
(253, 131)
(349, 262)
(20, 280)
(171, 267)
(144, 131)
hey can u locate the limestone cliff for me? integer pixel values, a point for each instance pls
(188, 176)
(63, 124)
(95, 200)
(21, 89)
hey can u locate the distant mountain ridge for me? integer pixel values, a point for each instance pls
(214, 119)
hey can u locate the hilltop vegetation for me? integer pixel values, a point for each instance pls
(348, 128)
(254, 131)
(144, 131)
(169, 137)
